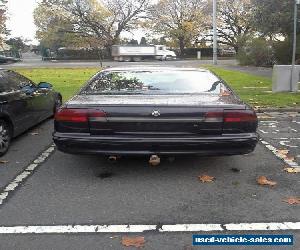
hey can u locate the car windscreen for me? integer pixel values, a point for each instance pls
(153, 82)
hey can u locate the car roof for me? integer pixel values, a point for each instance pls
(153, 68)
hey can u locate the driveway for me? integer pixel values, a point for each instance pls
(52, 193)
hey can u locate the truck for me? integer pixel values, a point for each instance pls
(136, 53)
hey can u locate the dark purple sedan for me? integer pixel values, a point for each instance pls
(156, 111)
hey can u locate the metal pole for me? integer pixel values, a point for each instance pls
(215, 44)
(294, 44)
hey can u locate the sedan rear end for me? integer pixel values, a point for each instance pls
(164, 111)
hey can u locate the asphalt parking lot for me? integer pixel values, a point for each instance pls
(50, 193)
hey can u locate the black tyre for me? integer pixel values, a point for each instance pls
(137, 59)
(5, 137)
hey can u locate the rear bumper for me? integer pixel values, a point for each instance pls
(117, 145)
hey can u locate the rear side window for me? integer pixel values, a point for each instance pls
(18, 80)
(154, 82)
(11, 81)
(7, 84)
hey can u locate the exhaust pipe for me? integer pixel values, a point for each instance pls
(154, 160)
(112, 159)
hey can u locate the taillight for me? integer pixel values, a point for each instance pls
(214, 117)
(77, 115)
(240, 116)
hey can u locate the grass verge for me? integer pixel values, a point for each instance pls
(66, 81)
(255, 90)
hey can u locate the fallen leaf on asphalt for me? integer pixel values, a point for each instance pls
(290, 158)
(283, 151)
(292, 170)
(292, 200)
(206, 178)
(262, 180)
(3, 161)
(133, 241)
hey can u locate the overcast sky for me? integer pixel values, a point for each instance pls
(21, 18)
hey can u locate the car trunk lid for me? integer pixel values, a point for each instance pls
(168, 115)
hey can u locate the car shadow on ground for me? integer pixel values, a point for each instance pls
(139, 165)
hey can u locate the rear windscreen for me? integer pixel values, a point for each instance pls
(153, 82)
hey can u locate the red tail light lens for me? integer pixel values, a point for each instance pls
(77, 115)
(240, 116)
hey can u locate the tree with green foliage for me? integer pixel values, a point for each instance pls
(235, 22)
(274, 20)
(67, 21)
(273, 17)
(3, 19)
(16, 43)
(180, 20)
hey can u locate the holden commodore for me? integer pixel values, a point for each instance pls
(155, 111)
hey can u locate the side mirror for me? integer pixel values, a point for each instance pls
(44, 85)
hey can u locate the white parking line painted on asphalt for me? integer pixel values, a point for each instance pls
(64, 229)
(25, 174)
(287, 144)
(76, 229)
(264, 132)
(191, 228)
(275, 151)
(263, 226)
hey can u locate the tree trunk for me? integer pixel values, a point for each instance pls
(181, 46)
(236, 48)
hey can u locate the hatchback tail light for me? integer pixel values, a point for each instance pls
(77, 115)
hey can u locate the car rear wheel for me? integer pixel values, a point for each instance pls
(5, 137)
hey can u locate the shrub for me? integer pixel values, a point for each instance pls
(256, 52)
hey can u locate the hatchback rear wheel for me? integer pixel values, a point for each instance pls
(5, 137)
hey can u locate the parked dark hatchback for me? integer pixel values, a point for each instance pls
(23, 105)
(151, 110)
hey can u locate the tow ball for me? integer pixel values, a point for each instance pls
(154, 160)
